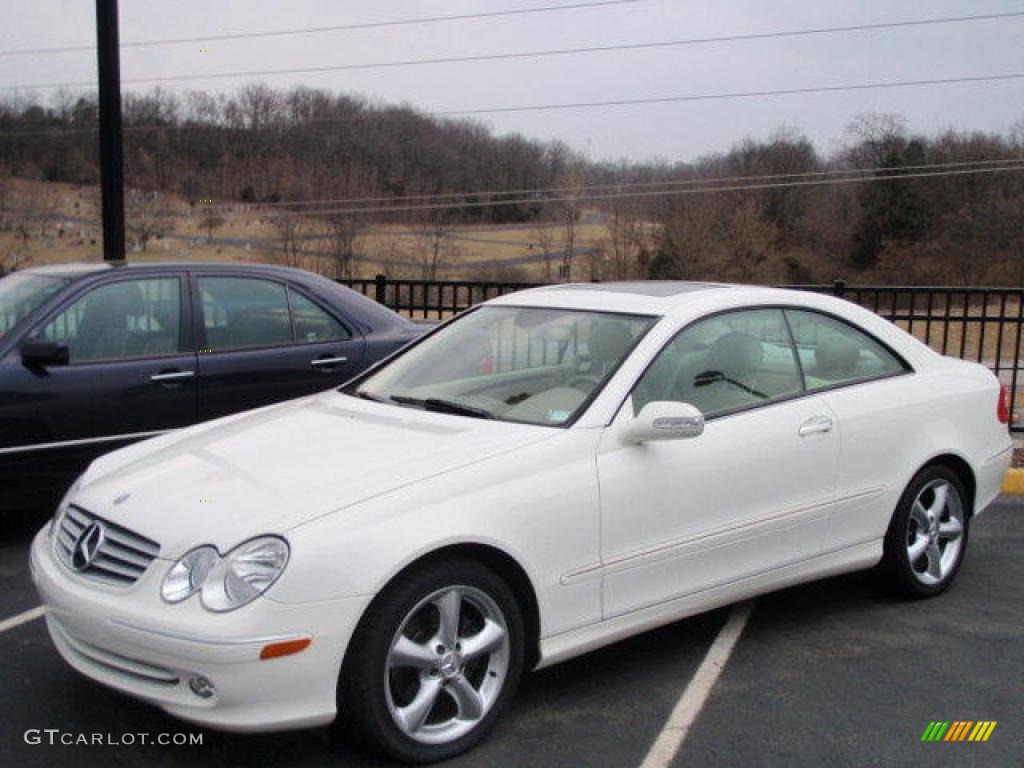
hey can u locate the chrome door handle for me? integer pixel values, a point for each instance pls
(321, 361)
(815, 425)
(172, 376)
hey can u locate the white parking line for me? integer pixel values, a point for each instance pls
(692, 701)
(21, 618)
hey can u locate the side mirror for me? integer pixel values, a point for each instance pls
(40, 354)
(665, 421)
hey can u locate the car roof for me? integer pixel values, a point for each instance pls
(65, 270)
(649, 297)
(83, 269)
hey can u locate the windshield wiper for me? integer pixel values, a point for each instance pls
(443, 406)
(370, 396)
(450, 406)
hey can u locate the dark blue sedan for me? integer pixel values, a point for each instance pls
(93, 357)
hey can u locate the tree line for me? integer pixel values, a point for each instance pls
(261, 145)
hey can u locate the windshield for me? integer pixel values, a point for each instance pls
(22, 292)
(532, 365)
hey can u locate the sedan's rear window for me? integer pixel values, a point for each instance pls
(21, 293)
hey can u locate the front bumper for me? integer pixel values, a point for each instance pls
(129, 639)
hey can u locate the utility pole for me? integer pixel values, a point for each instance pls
(108, 56)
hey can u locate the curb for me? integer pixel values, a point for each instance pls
(1013, 483)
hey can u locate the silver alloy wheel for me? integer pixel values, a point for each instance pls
(935, 532)
(447, 665)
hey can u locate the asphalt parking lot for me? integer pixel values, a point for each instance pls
(835, 672)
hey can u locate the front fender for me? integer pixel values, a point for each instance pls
(538, 505)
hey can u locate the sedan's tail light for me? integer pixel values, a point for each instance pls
(1003, 409)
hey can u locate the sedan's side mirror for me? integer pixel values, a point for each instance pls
(40, 354)
(665, 421)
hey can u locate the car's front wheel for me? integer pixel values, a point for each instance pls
(927, 537)
(434, 661)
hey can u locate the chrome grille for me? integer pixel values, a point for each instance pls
(123, 555)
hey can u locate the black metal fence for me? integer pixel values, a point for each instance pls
(432, 299)
(980, 324)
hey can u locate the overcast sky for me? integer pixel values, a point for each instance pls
(673, 131)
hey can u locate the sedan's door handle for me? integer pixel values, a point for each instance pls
(321, 362)
(815, 425)
(172, 376)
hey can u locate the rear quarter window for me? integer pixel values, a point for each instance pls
(833, 352)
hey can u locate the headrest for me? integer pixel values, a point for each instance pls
(836, 355)
(736, 355)
(609, 341)
(126, 300)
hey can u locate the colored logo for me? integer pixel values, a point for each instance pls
(959, 730)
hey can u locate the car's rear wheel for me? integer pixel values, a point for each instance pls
(434, 661)
(927, 537)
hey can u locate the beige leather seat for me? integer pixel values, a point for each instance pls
(732, 363)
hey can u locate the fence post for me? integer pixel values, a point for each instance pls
(839, 288)
(381, 290)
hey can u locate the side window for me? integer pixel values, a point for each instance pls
(312, 323)
(125, 319)
(833, 352)
(240, 312)
(726, 362)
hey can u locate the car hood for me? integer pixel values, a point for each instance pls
(269, 470)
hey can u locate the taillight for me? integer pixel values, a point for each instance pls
(1003, 409)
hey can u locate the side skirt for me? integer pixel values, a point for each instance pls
(565, 646)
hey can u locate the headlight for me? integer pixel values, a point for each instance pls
(187, 575)
(244, 573)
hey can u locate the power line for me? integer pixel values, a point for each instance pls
(522, 55)
(892, 176)
(321, 30)
(616, 186)
(613, 103)
(725, 96)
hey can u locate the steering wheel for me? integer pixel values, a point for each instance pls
(589, 382)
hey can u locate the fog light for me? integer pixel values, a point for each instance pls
(202, 686)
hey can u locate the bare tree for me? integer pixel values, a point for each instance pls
(345, 235)
(11, 258)
(147, 216)
(1017, 135)
(545, 233)
(5, 191)
(874, 137)
(288, 253)
(597, 255)
(210, 219)
(570, 186)
(431, 249)
(388, 255)
(625, 237)
(7, 218)
(38, 212)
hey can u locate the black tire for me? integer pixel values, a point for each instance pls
(897, 570)
(362, 696)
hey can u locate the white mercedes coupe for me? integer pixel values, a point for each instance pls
(547, 473)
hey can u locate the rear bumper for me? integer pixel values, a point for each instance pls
(132, 641)
(990, 478)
